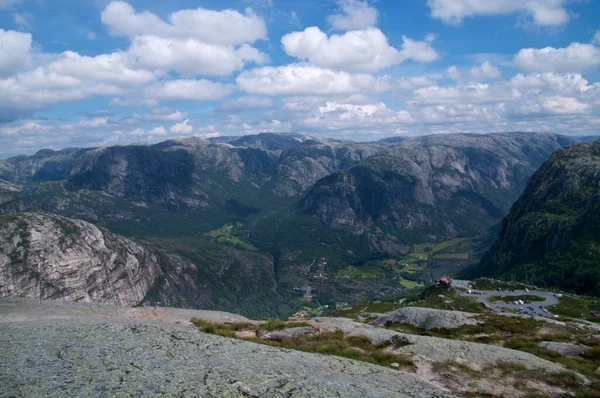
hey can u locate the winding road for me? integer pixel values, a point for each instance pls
(498, 306)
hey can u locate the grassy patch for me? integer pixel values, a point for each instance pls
(447, 244)
(221, 329)
(451, 256)
(275, 324)
(338, 344)
(228, 234)
(493, 284)
(577, 307)
(364, 271)
(410, 284)
(445, 299)
(330, 343)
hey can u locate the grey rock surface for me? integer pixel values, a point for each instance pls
(427, 318)
(566, 349)
(68, 259)
(434, 349)
(92, 356)
(290, 332)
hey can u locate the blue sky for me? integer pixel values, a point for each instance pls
(99, 72)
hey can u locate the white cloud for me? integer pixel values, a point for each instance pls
(114, 68)
(182, 128)
(411, 83)
(157, 131)
(359, 50)
(226, 27)
(164, 115)
(577, 57)
(71, 77)
(478, 73)
(188, 90)
(564, 105)
(15, 50)
(542, 12)
(301, 79)
(596, 38)
(525, 99)
(22, 20)
(191, 57)
(454, 73)
(342, 116)
(485, 71)
(246, 102)
(419, 51)
(354, 14)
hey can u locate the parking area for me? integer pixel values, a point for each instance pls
(540, 307)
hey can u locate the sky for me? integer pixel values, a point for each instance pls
(98, 72)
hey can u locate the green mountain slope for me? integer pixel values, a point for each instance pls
(551, 237)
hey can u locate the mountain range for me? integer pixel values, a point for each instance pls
(268, 223)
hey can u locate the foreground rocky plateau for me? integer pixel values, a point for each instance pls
(53, 348)
(84, 350)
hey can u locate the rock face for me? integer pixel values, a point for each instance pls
(552, 234)
(71, 260)
(88, 356)
(7, 191)
(436, 187)
(566, 349)
(45, 165)
(427, 318)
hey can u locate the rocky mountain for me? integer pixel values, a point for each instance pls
(71, 260)
(265, 224)
(67, 259)
(431, 188)
(45, 165)
(551, 236)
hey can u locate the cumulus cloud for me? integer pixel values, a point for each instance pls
(354, 14)
(482, 72)
(542, 12)
(302, 79)
(15, 50)
(71, 76)
(164, 115)
(188, 90)
(359, 50)
(577, 57)
(182, 128)
(333, 116)
(246, 103)
(227, 27)
(193, 42)
(191, 57)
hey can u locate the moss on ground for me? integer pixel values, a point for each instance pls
(330, 343)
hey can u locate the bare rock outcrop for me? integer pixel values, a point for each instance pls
(427, 318)
(60, 258)
(89, 356)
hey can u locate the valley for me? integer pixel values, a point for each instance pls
(315, 222)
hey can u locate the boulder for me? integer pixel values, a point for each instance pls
(427, 318)
(566, 349)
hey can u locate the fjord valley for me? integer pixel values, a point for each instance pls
(300, 198)
(261, 225)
